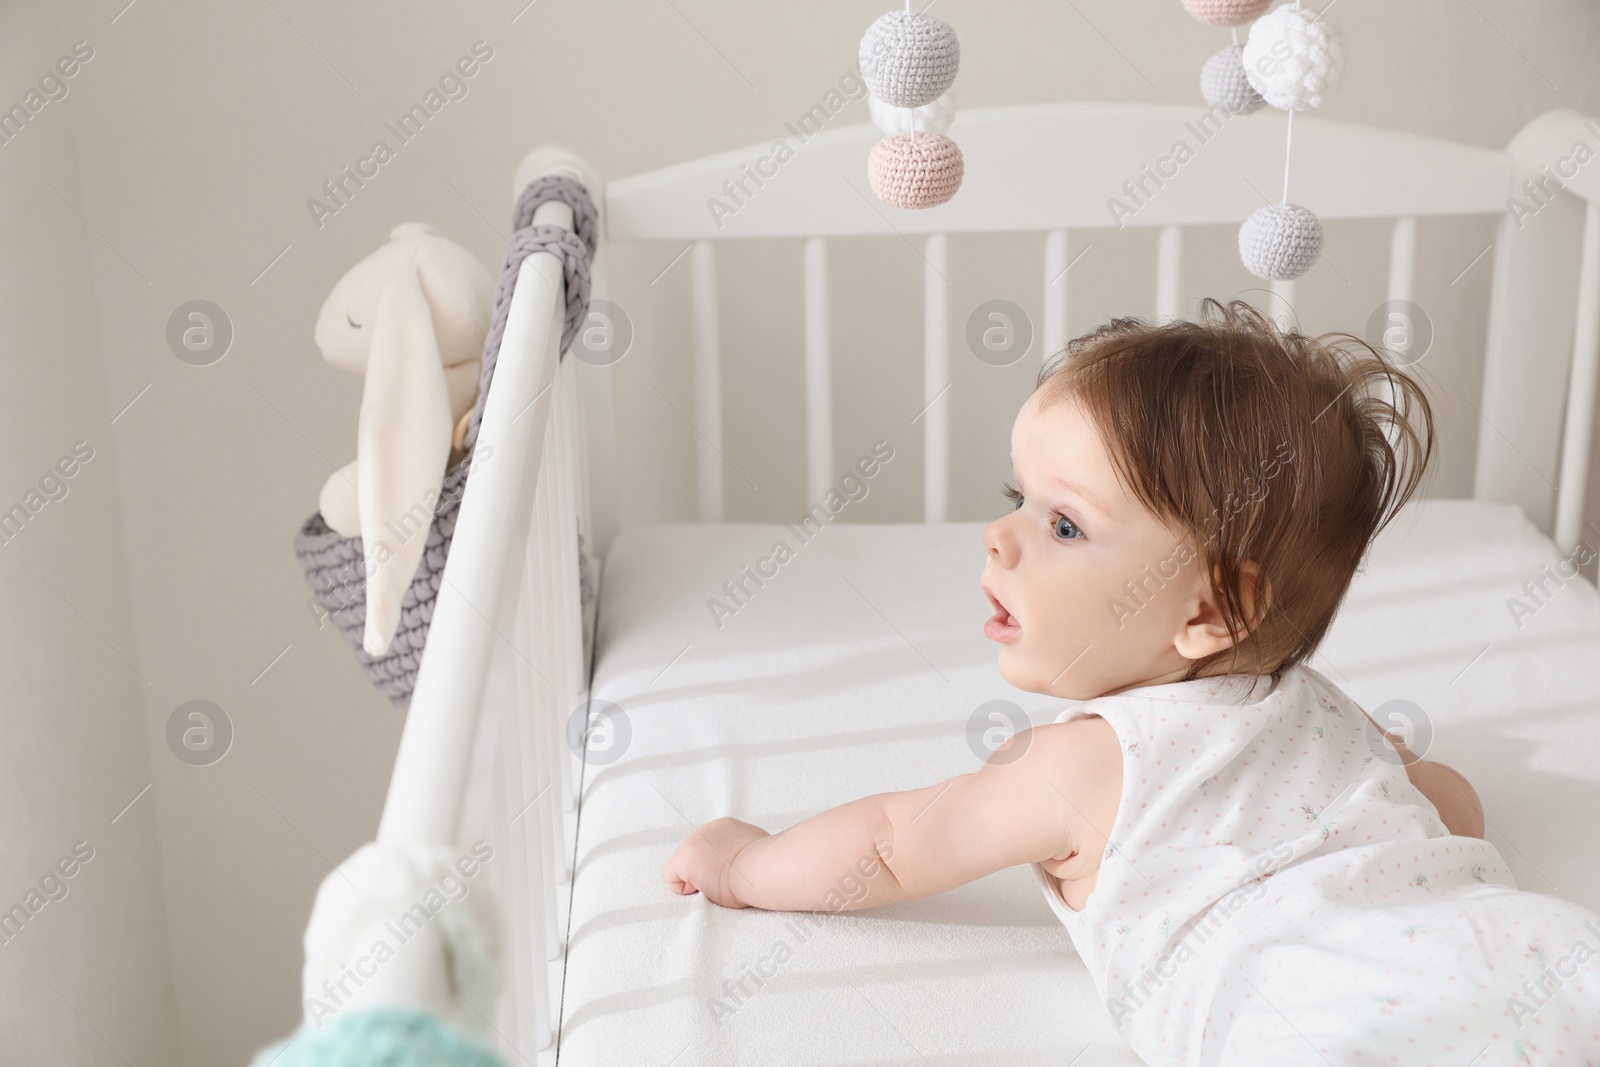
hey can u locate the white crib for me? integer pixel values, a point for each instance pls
(762, 729)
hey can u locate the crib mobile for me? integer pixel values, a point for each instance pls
(908, 60)
(1294, 60)
(335, 566)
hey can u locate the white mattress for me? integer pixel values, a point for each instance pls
(853, 671)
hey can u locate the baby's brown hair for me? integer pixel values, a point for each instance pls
(1262, 445)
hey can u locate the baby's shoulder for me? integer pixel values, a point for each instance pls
(1083, 751)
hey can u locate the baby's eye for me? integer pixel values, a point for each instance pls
(1065, 528)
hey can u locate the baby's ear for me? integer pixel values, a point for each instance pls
(1207, 631)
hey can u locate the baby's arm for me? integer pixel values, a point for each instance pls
(1019, 807)
(1446, 788)
(1459, 807)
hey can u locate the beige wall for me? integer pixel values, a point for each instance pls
(88, 978)
(202, 129)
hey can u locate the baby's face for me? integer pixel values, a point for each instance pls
(1057, 565)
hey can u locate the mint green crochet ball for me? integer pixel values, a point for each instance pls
(377, 1037)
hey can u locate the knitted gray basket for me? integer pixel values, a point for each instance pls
(335, 565)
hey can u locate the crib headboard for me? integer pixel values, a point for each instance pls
(1053, 168)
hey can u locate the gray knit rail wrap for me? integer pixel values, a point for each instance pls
(335, 565)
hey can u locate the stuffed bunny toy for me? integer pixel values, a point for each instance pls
(412, 317)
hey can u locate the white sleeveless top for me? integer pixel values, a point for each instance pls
(1274, 889)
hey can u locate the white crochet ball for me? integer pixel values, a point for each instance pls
(908, 59)
(1223, 83)
(1294, 58)
(1280, 242)
(931, 118)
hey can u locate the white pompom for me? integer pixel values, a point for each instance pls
(384, 886)
(1223, 83)
(931, 118)
(1280, 242)
(1294, 58)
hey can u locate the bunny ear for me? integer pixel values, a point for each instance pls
(411, 229)
(402, 446)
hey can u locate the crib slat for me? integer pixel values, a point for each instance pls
(936, 378)
(1402, 282)
(572, 771)
(1579, 428)
(588, 398)
(554, 717)
(1284, 311)
(496, 830)
(560, 533)
(819, 388)
(1169, 262)
(1055, 293)
(1403, 258)
(559, 705)
(571, 627)
(554, 708)
(597, 429)
(532, 705)
(707, 382)
(528, 846)
(518, 911)
(522, 847)
(538, 707)
(544, 749)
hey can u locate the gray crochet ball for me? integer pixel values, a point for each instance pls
(1224, 83)
(1281, 242)
(909, 59)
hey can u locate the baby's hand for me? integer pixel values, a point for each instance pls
(704, 861)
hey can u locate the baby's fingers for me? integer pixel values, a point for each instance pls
(677, 882)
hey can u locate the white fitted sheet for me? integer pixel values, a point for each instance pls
(854, 670)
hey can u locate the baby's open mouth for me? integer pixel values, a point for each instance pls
(1002, 626)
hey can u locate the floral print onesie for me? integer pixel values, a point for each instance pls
(1274, 890)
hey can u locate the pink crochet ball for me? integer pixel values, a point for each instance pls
(924, 172)
(1226, 12)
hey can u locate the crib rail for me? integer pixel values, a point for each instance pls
(484, 753)
(1053, 169)
(1544, 332)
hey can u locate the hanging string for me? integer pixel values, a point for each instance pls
(1288, 143)
(1235, 36)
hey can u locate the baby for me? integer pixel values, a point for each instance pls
(1251, 871)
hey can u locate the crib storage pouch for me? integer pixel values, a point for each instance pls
(335, 565)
